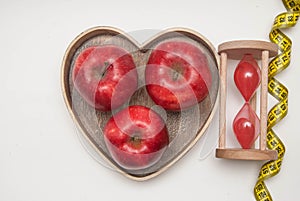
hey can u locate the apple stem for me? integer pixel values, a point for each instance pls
(177, 71)
(107, 65)
(135, 140)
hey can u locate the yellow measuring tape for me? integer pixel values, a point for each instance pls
(280, 92)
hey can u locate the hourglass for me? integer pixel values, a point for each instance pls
(246, 126)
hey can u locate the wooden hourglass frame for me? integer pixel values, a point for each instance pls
(235, 50)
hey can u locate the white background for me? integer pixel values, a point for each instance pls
(41, 157)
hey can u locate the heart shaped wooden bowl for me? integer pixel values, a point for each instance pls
(185, 128)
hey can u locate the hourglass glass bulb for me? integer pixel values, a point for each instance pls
(246, 126)
(247, 76)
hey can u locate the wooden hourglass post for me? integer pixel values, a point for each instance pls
(260, 50)
(263, 99)
(222, 111)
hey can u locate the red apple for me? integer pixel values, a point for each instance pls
(136, 137)
(105, 73)
(177, 75)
